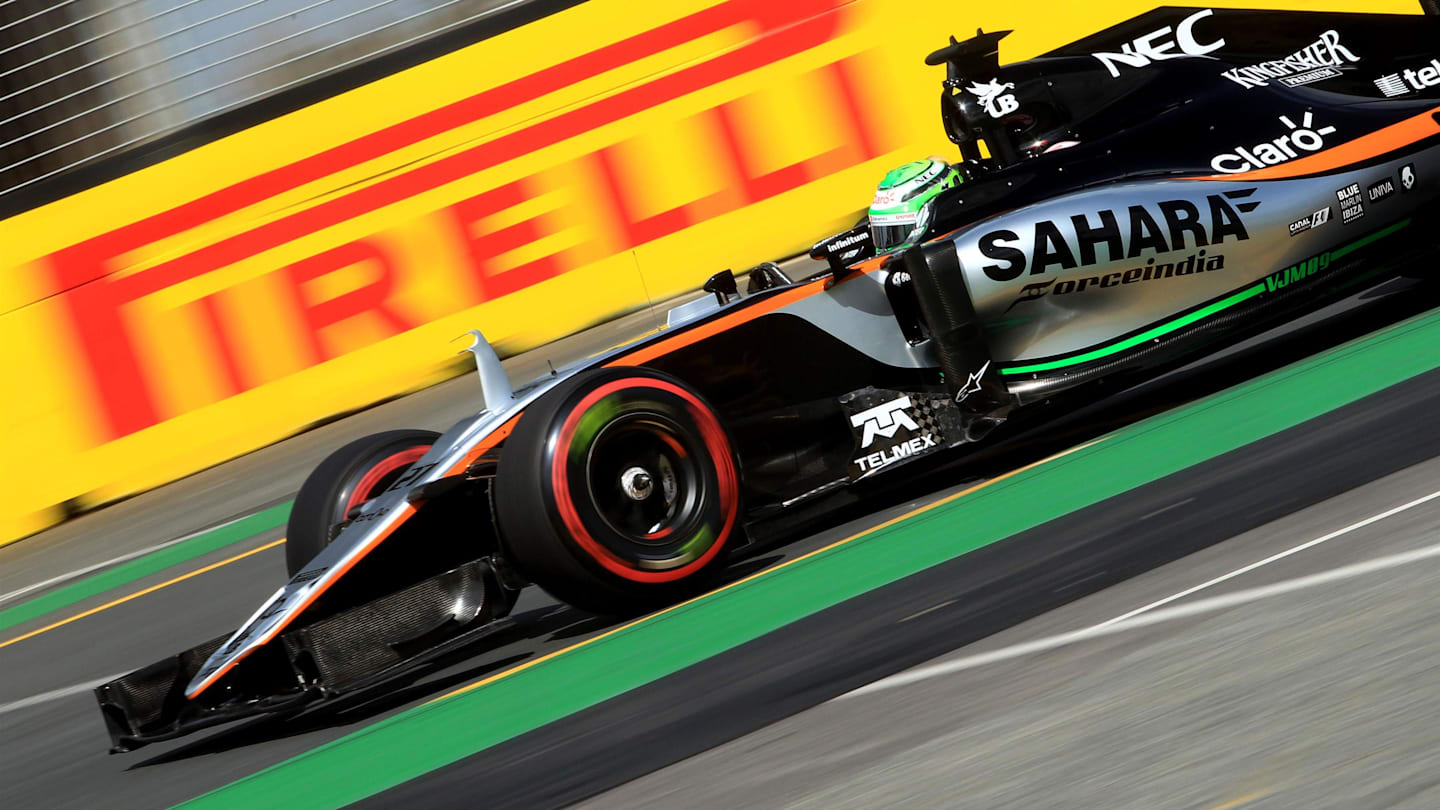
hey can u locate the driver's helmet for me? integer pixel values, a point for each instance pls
(896, 212)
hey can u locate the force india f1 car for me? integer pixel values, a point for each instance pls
(1121, 205)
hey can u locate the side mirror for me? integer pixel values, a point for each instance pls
(766, 276)
(723, 285)
(845, 249)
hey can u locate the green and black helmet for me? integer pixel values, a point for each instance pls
(898, 215)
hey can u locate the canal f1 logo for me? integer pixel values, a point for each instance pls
(884, 420)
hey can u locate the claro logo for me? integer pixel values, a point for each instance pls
(1160, 45)
(1172, 225)
(884, 420)
(1300, 139)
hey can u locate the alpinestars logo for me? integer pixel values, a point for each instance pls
(994, 99)
(885, 420)
(1305, 137)
(972, 383)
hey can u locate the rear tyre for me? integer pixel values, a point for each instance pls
(350, 476)
(618, 491)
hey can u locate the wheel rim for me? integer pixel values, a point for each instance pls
(643, 479)
(378, 477)
(643, 546)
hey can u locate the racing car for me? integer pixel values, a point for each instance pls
(1122, 205)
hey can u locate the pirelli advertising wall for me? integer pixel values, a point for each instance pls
(532, 184)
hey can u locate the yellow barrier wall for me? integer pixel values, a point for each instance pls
(531, 184)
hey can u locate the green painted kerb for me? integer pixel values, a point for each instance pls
(1183, 321)
(152, 563)
(417, 741)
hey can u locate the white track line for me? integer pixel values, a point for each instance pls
(54, 694)
(1210, 605)
(1273, 558)
(116, 561)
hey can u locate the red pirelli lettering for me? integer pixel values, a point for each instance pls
(369, 299)
(484, 246)
(95, 301)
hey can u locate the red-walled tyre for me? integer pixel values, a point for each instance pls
(618, 491)
(347, 478)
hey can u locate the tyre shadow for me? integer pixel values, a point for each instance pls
(534, 631)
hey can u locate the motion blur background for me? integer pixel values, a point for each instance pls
(91, 79)
(227, 220)
(224, 222)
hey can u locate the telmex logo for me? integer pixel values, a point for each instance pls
(1409, 80)
(884, 420)
(1160, 45)
(1142, 231)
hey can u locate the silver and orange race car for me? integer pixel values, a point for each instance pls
(1130, 202)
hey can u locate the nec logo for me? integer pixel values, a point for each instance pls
(1160, 45)
(884, 420)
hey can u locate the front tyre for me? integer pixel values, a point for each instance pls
(618, 491)
(350, 476)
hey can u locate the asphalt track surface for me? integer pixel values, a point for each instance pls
(1320, 694)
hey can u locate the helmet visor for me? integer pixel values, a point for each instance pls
(889, 231)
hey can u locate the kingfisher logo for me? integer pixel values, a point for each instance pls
(1314, 63)
(885, 420)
